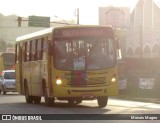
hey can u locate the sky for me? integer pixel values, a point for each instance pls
(62, 9)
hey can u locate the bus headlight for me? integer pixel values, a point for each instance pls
(113, 80)
(58, 81)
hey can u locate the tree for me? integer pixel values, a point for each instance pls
(11, 45)
(2, 45)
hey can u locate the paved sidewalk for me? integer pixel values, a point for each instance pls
(142, 99)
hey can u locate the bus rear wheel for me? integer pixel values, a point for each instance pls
(4, 92)
(29, 99)
(78, 101)
(48, 101)
(37, 99)
(71, 102)
(102, 101)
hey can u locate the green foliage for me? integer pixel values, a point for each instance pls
(11, 45)
(3, 45)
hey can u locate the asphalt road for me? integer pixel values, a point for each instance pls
(13, 103)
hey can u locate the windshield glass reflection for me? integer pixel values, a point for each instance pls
(84, 54)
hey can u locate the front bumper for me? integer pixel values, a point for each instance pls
(110, 90)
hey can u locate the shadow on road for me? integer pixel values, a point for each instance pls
(59, 107)
(140, 99)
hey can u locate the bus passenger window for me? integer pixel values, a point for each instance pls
(28, 51)
(33, 50)
(17, 54)
(39, 57)
(24, 52)
(35, 56)
(45, 50)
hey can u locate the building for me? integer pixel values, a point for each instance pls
(144, 34)
(119, 19)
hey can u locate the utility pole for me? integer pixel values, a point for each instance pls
(141, 42)
(77, 16)
(19, 21)
(76, 13)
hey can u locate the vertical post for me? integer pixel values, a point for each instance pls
(141, 31)
(19, 21)
(142, 24)
(77, 16)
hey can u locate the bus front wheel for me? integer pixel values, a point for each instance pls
(102, 101)
(37, 99)
(29, 98)
(48, 101)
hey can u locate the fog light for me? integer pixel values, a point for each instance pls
(58, 81)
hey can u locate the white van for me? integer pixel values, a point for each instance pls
(7, 81)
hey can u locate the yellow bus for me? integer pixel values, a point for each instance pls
(72, 63)
(7, 61)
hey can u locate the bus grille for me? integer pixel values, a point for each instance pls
(87, 81)
(82, 91)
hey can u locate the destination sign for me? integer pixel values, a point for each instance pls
(84, 32)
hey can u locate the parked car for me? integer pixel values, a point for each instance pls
(7, 81)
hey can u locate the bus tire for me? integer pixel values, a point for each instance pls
(48, 101)
(29, 99)
(102, 101)
(4, 92)
(37, 99)
(78, 101)
(71, 102)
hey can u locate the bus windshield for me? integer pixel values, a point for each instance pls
(84, 53)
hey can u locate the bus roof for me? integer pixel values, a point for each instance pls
(49, 30)
(31, 35)
(6, 53)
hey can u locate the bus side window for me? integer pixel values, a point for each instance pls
(44, 49)
(39, 56)
(24, 51)
(33, 50)
(17, 53)
(35, 57)
(27, 51)
(30, 51)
